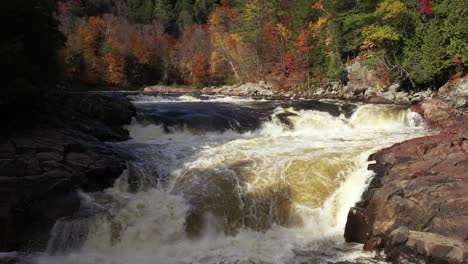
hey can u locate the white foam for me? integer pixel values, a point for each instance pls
(322, 161)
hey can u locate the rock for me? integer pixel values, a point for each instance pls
(319, 91)
(388, 96)
(374, 244)
(7, 149)
(394, 88)
(360, 75)
(460, 102)
(168, 89)
(19, 167)
(402, 98)
(398, 236)
(417, 201)
(43, 166)
(49, 156)
(358, 226)
(461, 87)
(437, 247)
(369, 94)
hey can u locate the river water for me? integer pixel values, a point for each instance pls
(233, 180)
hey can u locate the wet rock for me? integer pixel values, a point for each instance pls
(43, 166)
(374, 244)
(417, 201)
(358, 226)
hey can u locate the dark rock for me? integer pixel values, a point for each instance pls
(358, 226)
(43, 165)
(49, 156)
(19, 167)
(374, 244)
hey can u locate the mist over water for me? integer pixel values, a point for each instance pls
(233, 180)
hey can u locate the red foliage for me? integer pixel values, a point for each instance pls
(290, 68)
(200, 67)
(303, 40)
(62, 8)
(426, 7)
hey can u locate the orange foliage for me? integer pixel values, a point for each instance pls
(303, 40)
(200, 68)
(92, 32)
(141, 50)
(115, 72)
(318, 5)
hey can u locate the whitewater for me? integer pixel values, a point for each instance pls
(233, 180)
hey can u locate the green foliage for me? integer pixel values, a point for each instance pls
(379, 35)
(141, 11)
(354, 22)
(390, 9)
(163, 10)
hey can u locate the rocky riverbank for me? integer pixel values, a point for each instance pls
(49, 154)
(416, 207)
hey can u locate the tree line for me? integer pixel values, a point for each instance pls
(292, 44)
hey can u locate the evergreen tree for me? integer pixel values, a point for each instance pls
(141, 11)
(163, 11)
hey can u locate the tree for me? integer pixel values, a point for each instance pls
(226, 43)
(141, 11)
(30, 41)
(304, 46)
(426, 7)
(200, 68)
(140, 49)
(163, 11)
(115, 70)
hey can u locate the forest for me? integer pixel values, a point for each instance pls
(296, 44)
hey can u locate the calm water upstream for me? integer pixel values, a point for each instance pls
(233, 180)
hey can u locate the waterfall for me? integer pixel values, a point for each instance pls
(278, 192)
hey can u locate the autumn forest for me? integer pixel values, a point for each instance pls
(296, 44)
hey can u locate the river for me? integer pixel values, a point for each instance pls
(233, 180)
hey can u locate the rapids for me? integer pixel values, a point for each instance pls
(233, 180)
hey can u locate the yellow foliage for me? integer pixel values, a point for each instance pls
(284, 32)
(375, 35)
(317, 26)
(115, 72)
(390, 9)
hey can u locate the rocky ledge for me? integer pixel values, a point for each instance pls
(416, 207)
(49, 154)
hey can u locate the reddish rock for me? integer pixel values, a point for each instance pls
(420, 184)
(169, 89)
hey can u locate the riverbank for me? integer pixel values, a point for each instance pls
(456, 92)
(46, 155)
(415, 208)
